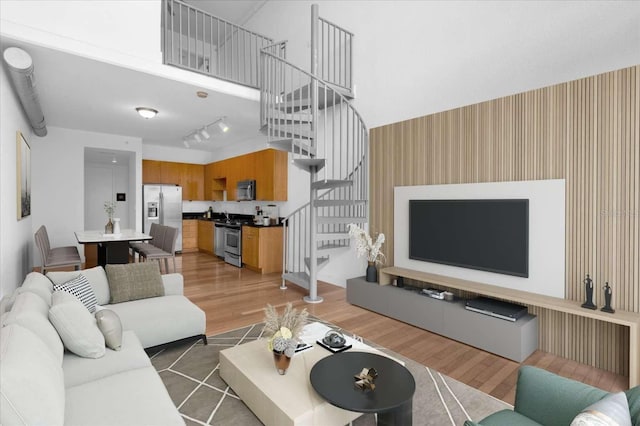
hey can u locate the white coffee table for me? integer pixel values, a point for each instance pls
(283, 400)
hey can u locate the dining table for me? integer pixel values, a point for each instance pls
(112, 248)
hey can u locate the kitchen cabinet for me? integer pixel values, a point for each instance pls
(151, 171)
(189, 176)
(215, 181)
(272, 170)
(205, 236)
(192, 182)
(262, 248)
(189, 235)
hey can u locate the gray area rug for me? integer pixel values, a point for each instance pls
(190, 373)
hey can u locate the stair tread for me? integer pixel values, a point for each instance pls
(330, 183)
(302, 96)
(330, 203)
(309, 163)
(329, 246)
(287, 144)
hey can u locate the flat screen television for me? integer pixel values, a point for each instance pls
(488, 235)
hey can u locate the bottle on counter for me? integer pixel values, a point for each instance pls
(210, 212)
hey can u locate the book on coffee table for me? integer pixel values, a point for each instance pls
(334, 350)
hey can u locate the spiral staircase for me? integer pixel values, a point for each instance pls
(309, 114)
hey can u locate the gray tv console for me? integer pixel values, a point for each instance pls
(513, 340)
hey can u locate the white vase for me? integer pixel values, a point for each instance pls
(116, 225)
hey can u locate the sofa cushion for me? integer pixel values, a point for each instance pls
(134, 281)
(31, 312)
(96, 277)
(32, 386)
(80, 288)
(612, 410)
(37, 283)
(78, 370)
(135, 397)
(76, 326)
(633, 398)
(505, 418)
(161, 320)
(110, 326)
(542, 396)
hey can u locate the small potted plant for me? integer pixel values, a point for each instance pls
(283, 332)
(109, 208)
(366, 247)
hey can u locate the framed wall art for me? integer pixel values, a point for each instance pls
(23, 175)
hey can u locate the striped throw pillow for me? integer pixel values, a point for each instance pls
(80, 288)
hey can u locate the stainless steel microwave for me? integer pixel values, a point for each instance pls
(246, 190)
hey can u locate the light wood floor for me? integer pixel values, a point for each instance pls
(233, 298)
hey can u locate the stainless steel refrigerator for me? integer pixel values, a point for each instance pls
(162, 204)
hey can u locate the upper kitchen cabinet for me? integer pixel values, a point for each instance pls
(271, 175)
(193, 182)
(151, 171)
(215, 181)
(189, 176)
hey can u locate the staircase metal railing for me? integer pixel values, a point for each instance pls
(335, 52)
(326, 135)
(198, 41)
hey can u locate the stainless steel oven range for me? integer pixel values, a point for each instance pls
(233, 244)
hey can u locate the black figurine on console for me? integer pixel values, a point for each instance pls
(607, 299)
(588, 289)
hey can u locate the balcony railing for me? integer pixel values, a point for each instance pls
(198, 41)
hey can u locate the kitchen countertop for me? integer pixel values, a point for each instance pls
(217, 218)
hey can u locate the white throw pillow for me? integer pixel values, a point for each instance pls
(80, 288)
(111, 327)
(612, 410)
(76, 326)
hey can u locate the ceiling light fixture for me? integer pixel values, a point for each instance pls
(205, 132)
(147, 112)
(114, 160)
(223, 126)
(202, 94)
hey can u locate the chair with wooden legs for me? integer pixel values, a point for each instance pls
(56, 257)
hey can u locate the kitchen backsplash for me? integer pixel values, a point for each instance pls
(244, 207)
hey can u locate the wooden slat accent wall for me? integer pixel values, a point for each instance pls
(585, 131)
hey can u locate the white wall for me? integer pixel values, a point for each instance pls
(102, 182)
(58, 180)
(16, 237)
(413, 58)
(546, 231)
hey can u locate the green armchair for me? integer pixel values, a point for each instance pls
(544, 398)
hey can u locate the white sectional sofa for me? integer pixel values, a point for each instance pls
(41, 383)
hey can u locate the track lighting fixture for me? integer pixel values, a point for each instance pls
(223, 127)
(205, 132)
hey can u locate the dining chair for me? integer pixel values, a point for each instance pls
(138, 246)
(166, 250)
(56, 257)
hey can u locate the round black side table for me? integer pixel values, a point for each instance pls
(392, 399)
